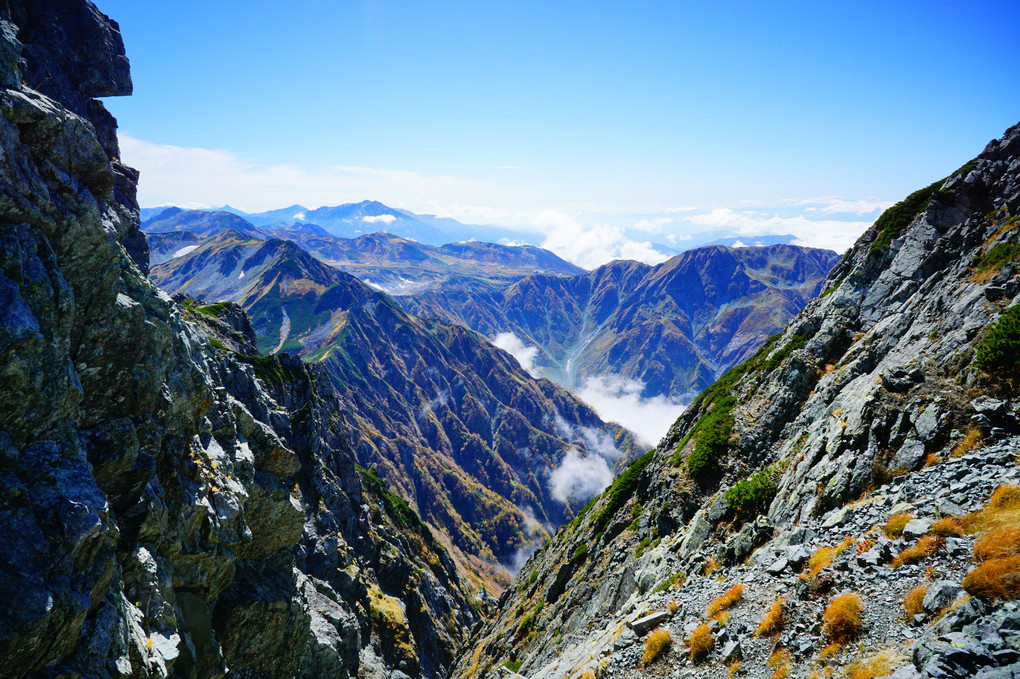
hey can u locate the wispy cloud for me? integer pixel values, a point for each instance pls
(178, 175)
(834, 234)
(579, 478)
(515, 346)
(618, 399)
(374, 219)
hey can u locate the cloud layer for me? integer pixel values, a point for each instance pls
(618, 399)
(513, 345)
(579, 478)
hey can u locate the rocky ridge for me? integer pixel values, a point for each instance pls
(870, 405)
(170, 507)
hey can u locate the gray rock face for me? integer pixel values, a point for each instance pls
(168, 508)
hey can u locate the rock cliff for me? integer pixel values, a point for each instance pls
(830, 505)
(169, 508)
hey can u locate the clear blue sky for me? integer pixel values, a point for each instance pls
(614, 109)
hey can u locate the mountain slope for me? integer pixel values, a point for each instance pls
(673, 327)
(891, 396)
(170, 508)
(454, 424)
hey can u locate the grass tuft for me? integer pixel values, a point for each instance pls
(655, 644)
(725, 601)
(881, 664)
(970, 441)
(948, 527)
(842, 618)
(926, 546)
(894, 526)
(912, 602)
(700, 642)
(773, 620)
(823, 558)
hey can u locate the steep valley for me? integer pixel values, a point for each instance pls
(841, 504)
(281, 472)
(452, 423)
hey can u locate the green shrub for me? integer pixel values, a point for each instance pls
(396, 507)
(669, 582)
(998, 352)
(893, 220)
(752, 496)
(581, 551)
(621, 490)
(514, 665)
(996, 257)
(712, 431)
(713, 439)
(528, 622)
(642, 546)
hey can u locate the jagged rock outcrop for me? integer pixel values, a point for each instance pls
(169, 507)
(891, 396)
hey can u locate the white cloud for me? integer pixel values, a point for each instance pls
(591, 246)
(739, 244)
(835, 205)
(653, 225)
(819, 233)
(618, 399)
(385, 219)
(515, 346)
(298, 216)
(177, 175)
(579, 478)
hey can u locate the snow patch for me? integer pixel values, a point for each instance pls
(241, 274)
(183, 251)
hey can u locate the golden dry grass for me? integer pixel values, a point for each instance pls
(998, 543)
(773, 620)
(655, 644)
(711, 566)
(823, 558)
(971, 440)
(842, 618)
(880, 664)
(894, 526)
(912, 602)
(925, 546)
(723, 602)
(948, 527)
(700, 642)
(733, 669)
(830, 651)
(673, 606)
(995, 579)
(782, 662)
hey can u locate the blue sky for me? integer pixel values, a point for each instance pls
(602, 124)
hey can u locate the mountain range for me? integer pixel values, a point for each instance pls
(453, 424)
(672, 327)
(845, 502)
(387, 262)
